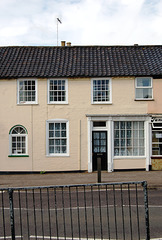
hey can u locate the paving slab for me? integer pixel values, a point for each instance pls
(153, 178)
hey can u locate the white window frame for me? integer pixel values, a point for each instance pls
(157, 130)
(36, 91)
(47, 137)
(142, 87)
(144, 137)
(110, 87)
(11, 135)
(66, 91)
(157, 143)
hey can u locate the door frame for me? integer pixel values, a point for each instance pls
(107, 128)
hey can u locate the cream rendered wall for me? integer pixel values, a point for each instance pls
(79, 104)
(34, 118)
(11, 115)
(130, 163)
(155, 106)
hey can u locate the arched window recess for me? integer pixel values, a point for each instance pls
(18, 141)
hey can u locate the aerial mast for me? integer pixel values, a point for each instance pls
(58, 21)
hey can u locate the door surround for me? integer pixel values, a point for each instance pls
(107, 127)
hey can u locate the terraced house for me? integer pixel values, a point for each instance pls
(63, 107)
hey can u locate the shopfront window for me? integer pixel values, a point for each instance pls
(156, 142)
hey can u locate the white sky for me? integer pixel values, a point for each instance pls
(84, 22)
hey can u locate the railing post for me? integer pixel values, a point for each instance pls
(12, 223)
(144, 184)
(99, 169)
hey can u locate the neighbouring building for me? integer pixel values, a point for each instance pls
(63, 107)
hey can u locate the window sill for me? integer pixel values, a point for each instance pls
(58, 155)
(145, 99)
(22, 104)
(101, 103)
(58, 103)
(129, 157)
(18, 155)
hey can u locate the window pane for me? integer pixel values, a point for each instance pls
(116, 133)
(143, 82)
(63, 126)
(129, 133)
(51, 134)
(135, 125)
(129, 125)
(116, 125)
(64, 149)
(129, 152)
(57, 126)
(122, 125)
(57, 133)
(139, 93)
(122, 142)
(147, 93)
(63, 134)
(99, 124)
(51, 149)
(51, 142)
(129, 142)
(96, 135)
(63, 142)
(57, 149)
(116, 151)
(51, 126)
(116, 142)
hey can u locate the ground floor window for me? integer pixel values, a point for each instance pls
(129, 138)
(18, 140)
(156, 142)
(57, 137)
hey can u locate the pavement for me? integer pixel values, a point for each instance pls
(153, 178)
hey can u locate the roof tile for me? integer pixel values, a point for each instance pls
(80, 61)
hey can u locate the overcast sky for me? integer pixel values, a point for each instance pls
(84, 22)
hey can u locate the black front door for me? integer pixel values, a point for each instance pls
(99, 149)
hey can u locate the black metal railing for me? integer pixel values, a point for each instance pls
(89, 211)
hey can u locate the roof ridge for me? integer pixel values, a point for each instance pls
(82, 46)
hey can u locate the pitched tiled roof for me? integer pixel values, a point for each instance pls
(80, 61)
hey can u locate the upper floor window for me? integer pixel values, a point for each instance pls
(57, 137)
(57, 91)
(101, 91)
(144, 88)
(27, 91)
(18, 141)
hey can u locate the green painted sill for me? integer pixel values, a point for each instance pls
(18, 155)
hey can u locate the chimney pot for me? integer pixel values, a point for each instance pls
(63, 43)
(68, 44)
